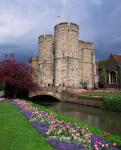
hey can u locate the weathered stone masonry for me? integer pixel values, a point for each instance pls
(64, 59)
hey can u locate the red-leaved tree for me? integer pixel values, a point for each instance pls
(17, 77)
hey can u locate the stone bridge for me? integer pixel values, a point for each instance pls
(65, 95)
(50, 91)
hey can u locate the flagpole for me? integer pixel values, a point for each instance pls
(58, 19)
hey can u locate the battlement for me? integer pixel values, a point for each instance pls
(62, 23)
(34, 58)
(81, 42)
(34, 62)
(46, 36)
(67, 25)
(89, 45)
(86, 44)
(74, 25)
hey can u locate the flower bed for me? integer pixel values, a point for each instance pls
(62, 135)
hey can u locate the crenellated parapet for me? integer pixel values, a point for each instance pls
(45, 36)
(66, 25)
(89, 45)
(64, 59)
(34, 62)
(86, 45)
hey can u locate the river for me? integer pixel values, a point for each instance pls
(102, 119)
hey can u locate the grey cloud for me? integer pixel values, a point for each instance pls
(21, 22)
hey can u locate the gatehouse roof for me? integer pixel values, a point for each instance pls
(117, 58)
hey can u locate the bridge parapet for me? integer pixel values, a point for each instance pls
(51, 91)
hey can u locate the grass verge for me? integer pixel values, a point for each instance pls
(16, 133)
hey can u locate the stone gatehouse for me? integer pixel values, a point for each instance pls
(64, 59)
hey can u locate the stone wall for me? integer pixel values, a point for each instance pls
(88, 66)
(64, 59)
(46, 46)
(66, 40)
(68, 97)
(34, 63)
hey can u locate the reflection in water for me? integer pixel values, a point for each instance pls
(102, 119)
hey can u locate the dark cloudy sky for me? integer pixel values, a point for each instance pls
(22, 21)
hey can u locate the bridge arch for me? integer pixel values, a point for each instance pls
(47, 92)
(45, 97)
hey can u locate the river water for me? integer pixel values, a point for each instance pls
(102, 119)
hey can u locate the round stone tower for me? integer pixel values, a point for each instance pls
(46, 47)
(46, 43)
(66, 37)
(66, 40)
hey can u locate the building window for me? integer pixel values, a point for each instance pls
(112, 77)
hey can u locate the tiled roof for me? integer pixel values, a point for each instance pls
(117, 58)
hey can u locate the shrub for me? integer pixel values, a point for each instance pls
(112, 103)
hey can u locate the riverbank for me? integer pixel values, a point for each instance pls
(102, 119)
(110, 100)
(62, 132)
(108, 136)
(16, 133)
(82, 98)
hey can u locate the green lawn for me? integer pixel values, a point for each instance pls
(16, 133)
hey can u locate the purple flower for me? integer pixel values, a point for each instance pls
(27, 114)
(62, 145)
(42, 128)
(95, 138)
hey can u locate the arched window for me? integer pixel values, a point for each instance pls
(112, 77)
